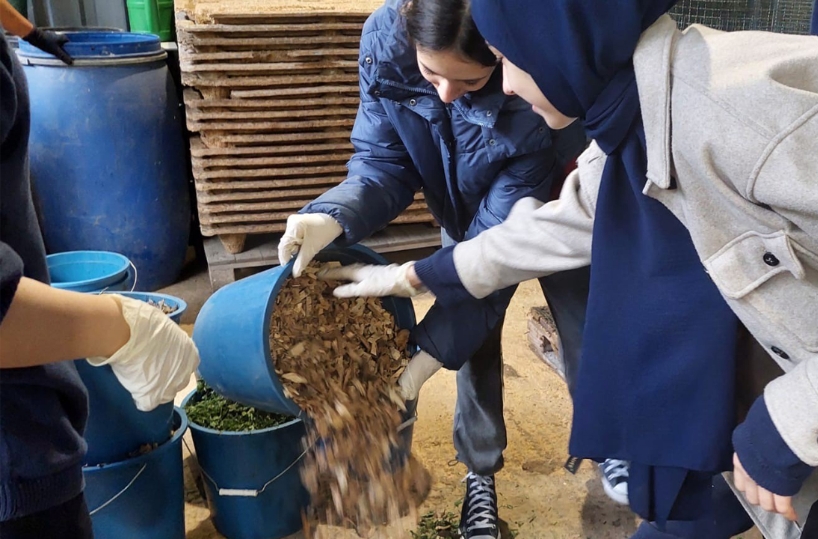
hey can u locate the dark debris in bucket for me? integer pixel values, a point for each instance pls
(144, 449)
(212, 411)
(167, 309)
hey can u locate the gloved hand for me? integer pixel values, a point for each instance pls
(420, 368)
(306, 234)
(158, 359)
(50, 42)
(369, 281)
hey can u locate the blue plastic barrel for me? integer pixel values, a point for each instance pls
(116, 428)
(108, 160)
(252, 479)
(233, 328)
(90, 271)
(141, 497)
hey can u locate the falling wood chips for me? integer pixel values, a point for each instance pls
(340, 360)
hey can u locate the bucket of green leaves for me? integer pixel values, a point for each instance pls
(249, 460)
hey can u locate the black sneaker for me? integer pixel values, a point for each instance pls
(615, 480)
(478, 519)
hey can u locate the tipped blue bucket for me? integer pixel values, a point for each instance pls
(116, 428)
(90, 271)
(141, 497)
(232, 333)
(252, 479)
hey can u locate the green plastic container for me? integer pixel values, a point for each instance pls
(21, 6)
(153, 17)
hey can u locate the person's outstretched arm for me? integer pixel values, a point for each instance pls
(45, 40)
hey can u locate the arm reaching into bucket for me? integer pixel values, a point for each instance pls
(536, 240)
(150, 355)
(45, 40)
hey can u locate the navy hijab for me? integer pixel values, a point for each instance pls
(655, 384)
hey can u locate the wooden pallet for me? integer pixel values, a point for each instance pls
(262, 251)
(272, 100)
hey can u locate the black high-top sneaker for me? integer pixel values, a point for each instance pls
(478, 519)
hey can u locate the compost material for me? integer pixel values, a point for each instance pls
(340, 360)
(212, 411)
(436, 526)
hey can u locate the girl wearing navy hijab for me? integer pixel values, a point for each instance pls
(700, 197)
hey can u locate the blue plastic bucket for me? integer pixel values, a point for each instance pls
(252, 479)
(178, 304)
(116, 428)
(141, 497)
(233, 328)
(89, 271)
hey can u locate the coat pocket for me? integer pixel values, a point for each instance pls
(775, 277)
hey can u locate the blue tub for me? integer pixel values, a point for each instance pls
(232, 333)
(142, 497)
(116, 428)
(252, 479)
(90, 271)
(108, 157)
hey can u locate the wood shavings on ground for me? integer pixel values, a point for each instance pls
(340, 360)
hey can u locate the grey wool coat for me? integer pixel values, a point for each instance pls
(731, 124)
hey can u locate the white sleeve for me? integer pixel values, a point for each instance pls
(537, 239)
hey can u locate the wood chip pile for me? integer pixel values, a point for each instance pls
(272, 97)
(340, 360)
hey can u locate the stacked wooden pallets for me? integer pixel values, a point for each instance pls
(272, 97)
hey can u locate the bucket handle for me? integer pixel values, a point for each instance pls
(248, 492)
(135, 278)
(252, 493)
(121, 492)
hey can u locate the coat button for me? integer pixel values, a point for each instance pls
(541, 130)
(771, 260)
(368, 60)
(488, 113)
(413, 102)
(779, 352)
(492, 142)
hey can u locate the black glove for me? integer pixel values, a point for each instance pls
(50, 42)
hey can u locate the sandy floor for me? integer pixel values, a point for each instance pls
(537, 497)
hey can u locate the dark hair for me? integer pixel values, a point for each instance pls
(446, 25)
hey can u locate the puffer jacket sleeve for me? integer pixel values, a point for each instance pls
(537, 240)
(382, 179)
(454, 333)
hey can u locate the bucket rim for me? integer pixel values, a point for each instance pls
(100, 45)
(200, 428)
(181, 305)
(54, 260)
(168, 445)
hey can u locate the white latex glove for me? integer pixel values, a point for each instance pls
(157, 361)
(372, 281)
(420, 368)
(306, 234)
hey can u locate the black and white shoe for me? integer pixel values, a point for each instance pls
(478, 519)
(615, 479)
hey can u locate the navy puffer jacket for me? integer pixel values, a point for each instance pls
(473, 159)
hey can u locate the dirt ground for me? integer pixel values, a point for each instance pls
(537, 497)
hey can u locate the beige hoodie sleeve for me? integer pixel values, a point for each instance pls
(537, 239)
